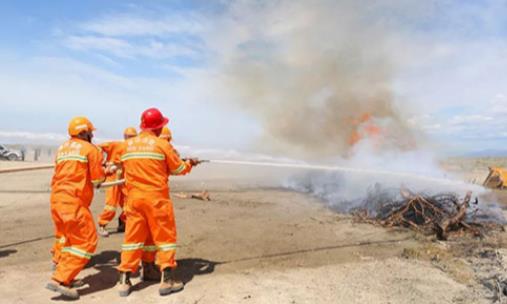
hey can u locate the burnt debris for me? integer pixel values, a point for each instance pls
(442, 214)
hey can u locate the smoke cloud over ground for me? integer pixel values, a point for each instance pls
(319, 76)
(312, 72)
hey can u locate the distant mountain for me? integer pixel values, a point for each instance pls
(487, 153)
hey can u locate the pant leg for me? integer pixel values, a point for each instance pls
(59, 241)
(113, 197)
(81, 241)
(163, 230)
(122, 200)
(136, 232)
(149, 250)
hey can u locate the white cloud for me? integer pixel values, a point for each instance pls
(125, 49)
(469, 119)
(132, 25)
(432, 127)
(484, 123)
(442, 58)
(116, 46)
(44, 93)
(130, 36)
(31, 137)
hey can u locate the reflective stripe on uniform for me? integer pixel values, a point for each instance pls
(110, 208)
(142, 155)
(179, 169)
(132, 246)
(77, 252)
(78, 158)
(150, 248)
(167, 247)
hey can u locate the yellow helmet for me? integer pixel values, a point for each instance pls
(166, 134)
(79, 124)
(130, 131)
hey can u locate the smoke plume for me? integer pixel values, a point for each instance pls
(311, 71)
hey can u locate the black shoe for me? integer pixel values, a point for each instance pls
(150, 272)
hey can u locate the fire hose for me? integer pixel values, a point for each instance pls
(342, 169)
(273, 164)
(27, 168)
(45, 167)
(111, 183)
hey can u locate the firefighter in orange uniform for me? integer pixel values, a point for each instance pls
(115, 196)
(166, 134)
(78, 169)
(148, 161)
(204, 195)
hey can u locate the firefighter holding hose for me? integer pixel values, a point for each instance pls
(78, 169)
(148, 161)
(115, 196)
(166, 134)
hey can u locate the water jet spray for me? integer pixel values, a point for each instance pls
(412, 176)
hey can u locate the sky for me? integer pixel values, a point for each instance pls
(110, 60)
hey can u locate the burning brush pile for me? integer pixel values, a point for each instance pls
(441, 214)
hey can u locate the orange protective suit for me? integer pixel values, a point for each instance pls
(148, 161)
(78, 168)
(115, 196)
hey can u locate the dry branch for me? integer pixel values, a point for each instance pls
(439, 214)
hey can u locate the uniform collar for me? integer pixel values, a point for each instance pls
(147, 133)
(78, 139)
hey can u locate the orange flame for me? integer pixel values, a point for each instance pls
(363, 127)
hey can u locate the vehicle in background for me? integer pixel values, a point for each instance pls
(6, 154)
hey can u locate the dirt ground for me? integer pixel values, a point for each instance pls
(254, 243)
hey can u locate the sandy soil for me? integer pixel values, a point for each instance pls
(251, 244)
(473, 169)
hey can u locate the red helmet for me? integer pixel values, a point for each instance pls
(153, 119)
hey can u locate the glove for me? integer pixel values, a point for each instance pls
(194, 161)
(110, 169)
